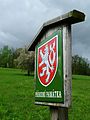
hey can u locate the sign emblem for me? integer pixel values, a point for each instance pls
(47, 61)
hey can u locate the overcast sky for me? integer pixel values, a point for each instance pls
(21, 19)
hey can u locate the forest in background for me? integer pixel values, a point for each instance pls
(24, 59)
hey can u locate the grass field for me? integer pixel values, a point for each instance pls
(17, 97)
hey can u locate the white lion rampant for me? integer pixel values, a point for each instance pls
(47, 60)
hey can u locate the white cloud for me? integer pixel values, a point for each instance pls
(21, 19)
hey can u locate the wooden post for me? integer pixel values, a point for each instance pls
(59, 113)
(54, 113)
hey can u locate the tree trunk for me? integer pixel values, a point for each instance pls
(28, 72)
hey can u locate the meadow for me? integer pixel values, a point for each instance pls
(17, 97)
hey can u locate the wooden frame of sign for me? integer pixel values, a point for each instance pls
(46, 30)
(66, 34)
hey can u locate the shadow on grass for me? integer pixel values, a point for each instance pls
(23, 74)
(80, 77)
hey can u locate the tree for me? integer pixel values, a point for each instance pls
(25, 60)
(6, 57)
(80, 65)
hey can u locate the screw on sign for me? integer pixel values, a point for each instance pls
(47, 61)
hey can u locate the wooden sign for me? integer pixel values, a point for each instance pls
(53, 71)
(49, 70)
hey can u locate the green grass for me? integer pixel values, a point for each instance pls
(80, 98)
(17, 98)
